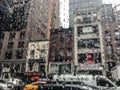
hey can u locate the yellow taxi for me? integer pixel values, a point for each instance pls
(34, 85)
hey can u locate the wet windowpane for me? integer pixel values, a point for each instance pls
(19, 54)
(10, 45)
(1, 45)
(22, 35)
(32, 54)
(12, 36)
(8, 54)
(84, 33)
(21, 45)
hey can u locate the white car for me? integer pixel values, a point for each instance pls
(6, 85)
(99, 81)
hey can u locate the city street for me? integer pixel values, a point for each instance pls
(59, 45)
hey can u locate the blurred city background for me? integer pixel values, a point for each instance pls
(49, 37)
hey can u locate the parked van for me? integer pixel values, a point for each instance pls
(96, 80)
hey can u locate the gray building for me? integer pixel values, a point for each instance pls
(107, 13)
(88, 44)
(28, 22)
(111, 35)
(78, 4)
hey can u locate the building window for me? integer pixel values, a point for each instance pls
(94, 16)
(21, 45)
(107, 33)
(81, 58)
(79, 30)
(42, 53)
(8, 54)
(118, 49)
(53, 58)
(0, 45)
(87, 29)
(118, 52)
(10, 45)
(1, 36)
(117, 35)
(32, 54)
(81, 44)
(19, 54)
(69, 38)
(42, 68)
(12, 36)
(69, 52)
(97, 57)
(86, 18)
(61, 52)
(109, 49)
(95, 29)
(22, 35)
(97, 45)
(53, 39)
(61, 39)
(53, 52)
(43, 34)
(88, 43)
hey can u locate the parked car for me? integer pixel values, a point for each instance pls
(73, 83)
(19, 84)
(91, 80)
(79, 87)
(34, 85)
(66, 87)
(51, 87)
(70, 82)
(4, 85)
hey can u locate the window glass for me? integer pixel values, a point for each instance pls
(2, 81)
(62, 39)
(103, 82)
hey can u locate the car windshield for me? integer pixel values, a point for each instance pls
(78, 83)
(2, 81)
(103, 82)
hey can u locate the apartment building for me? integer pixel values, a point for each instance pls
(79, 4)
(88, 45)
(107, 13)
(37, 58)
(28, 22)
(61, 50)
(111, 39)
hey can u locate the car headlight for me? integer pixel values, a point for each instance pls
(4, 86)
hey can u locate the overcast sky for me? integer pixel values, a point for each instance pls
(64, 14)
(112, 1)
